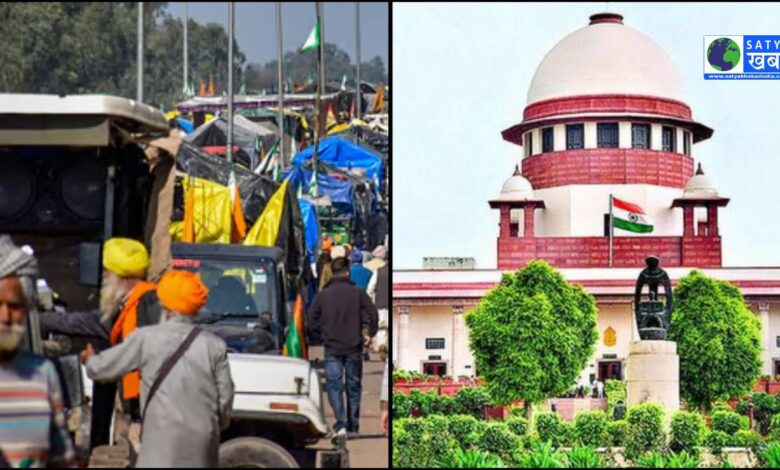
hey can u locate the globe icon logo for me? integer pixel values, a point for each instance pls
(723, 54)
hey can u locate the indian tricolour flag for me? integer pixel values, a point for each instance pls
(630, 217)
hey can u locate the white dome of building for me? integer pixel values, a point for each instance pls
(699, 186)
(606, 57)
(516, 188)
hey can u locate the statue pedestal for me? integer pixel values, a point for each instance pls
(653, 374)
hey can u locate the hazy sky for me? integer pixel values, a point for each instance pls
(256, 26)
(460, 76)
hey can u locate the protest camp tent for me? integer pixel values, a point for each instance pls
(341, 153)
(245, 136)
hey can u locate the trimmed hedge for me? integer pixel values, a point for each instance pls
(687, 432)
(402, 406)
(465, 429)
(548, 427)
(716, 441)
(517, 425)
(591, 428)
(726, 421)
(472, 401)
(617, 433)
(421, 442)
(646, 430)
(497, 439)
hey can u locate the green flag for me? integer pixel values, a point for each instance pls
(313, 41)
(313, 183)
(344, 83)
(289, 85)
(242, 91)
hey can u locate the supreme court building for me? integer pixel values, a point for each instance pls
(598, 121)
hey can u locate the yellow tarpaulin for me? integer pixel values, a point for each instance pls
(266, 228)
(212, 213)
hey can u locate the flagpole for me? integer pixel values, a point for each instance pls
(139, 94)
(321, 18)
(357, 53)
(318, 118)
(611, 230)
(281, 89)
(231, 10)
(186, 20)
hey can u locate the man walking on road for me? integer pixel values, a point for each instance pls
(348, 320)
(194, 394)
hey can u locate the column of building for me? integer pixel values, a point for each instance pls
(766, 339)
(403, 340)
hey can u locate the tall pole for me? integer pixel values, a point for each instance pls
(317, 127)
(611, 230)
(357, 53)
(280, 83)
(231, 11)
(321, 18)
(139, 94)
(186, 65)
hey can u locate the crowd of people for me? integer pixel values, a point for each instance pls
(141, 331)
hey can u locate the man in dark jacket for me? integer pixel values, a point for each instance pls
(347, 320)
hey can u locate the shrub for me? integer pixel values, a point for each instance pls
(518, 426)
(548, 427)
(402, 405)
(464, 429)
(721, 405)
(408, 445)
(770, 457)
(422, 401)
(764, 407)
(568, 434)
(716, 441)
(583, 457)
(651, 460)
(437, 438)
(774, 427)
(617, 433)
(469, 459)
(683, 460)
(472, 401)
(726, 421)
(590, 428)
(615, 390)
(443, 405)
(747, 438)
(687, 432)
(646, 430)
(541, 455)
(497, 439)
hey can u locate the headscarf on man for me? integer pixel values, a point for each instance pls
(125, 257)
(182, 292)
(15, 261)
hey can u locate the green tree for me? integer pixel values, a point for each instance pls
(718, 340)
(532, 335)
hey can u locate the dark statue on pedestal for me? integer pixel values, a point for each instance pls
(652, 317)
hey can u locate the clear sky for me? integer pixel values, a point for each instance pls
(460, 76)
(256, 26)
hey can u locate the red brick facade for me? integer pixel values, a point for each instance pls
(608, 166)
(607, 104)
(593, 252)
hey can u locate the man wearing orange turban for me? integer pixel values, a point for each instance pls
(183, 420)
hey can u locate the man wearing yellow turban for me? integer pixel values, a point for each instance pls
(193, 402)
(127, 302)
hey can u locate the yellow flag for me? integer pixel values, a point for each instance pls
(330, 119)
(237, 214)
(211, 85)
(266, 229)
(202, 91)
(212, 215)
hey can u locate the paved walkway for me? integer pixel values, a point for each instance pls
(370, 450)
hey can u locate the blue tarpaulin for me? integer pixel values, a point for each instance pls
(338, 190)
(311, 226)
(185, 125)
(341, 153)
